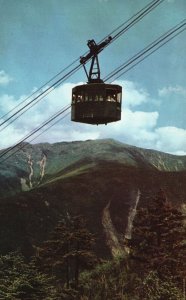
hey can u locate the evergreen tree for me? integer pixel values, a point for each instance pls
(159, 239)
(112, 280)
(68, 251)
(21, 280)
(153, 288)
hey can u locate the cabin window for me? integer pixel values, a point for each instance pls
(86, 97)
(119, 97)
(96, 98)
(110, 95)
(73, 98)
(79, 97)
(100, 97)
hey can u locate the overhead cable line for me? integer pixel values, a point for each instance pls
(51, 125)
(40, 97)
(139, 16)
(172, 33)
(35, 131)
(148, 54)
(132, 21)
(22, 145)
(124, 23)
(168, 35)
(43, 94)
(38, 90)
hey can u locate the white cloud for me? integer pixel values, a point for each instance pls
(179, 152)
(171, 138)
(132, 94)
(4, 78)
(7, 102)
(10, 136)
(169, 90)
(137, 127)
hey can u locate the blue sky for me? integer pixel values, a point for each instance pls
(40, 38)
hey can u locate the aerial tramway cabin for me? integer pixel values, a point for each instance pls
(96, 102)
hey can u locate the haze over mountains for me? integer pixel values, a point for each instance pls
(104, 180)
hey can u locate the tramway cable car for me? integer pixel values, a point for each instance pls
(96, 102)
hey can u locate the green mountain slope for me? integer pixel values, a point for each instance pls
(38, 163)
(101, 187)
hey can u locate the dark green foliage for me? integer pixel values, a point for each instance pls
(153, 288)
(154, 270)
(155, 267)
(21, 280)
(68, 251)
(114, 280)
(109, 280)
(13, 232)
(158, 242)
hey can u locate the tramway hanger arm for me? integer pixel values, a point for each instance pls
(94, 49)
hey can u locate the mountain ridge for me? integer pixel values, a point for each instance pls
(46, 159)
(59, 156)
(98, 179)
